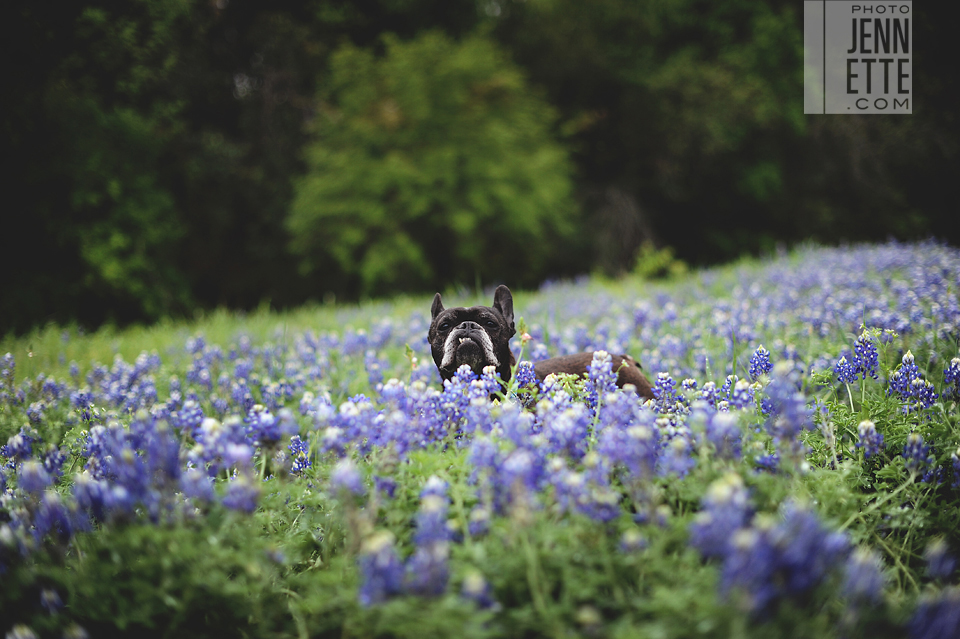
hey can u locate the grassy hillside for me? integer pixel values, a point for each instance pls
(305, 474)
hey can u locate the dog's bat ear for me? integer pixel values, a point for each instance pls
(437, 307)
(503, 302)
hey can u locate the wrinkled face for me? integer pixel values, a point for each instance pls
(468, 336)
(478, 336)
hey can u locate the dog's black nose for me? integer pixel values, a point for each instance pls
(471, 325)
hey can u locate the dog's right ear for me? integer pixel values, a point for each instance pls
(437, 307)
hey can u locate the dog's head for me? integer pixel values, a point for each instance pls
(478, 336)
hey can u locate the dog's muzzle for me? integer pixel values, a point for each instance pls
(468, 331)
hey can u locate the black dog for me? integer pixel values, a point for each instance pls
(480, 336)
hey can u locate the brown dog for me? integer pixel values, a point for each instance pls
(479, 336)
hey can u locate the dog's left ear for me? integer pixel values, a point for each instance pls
(503, 302)
(437, 307)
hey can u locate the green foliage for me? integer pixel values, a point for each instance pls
(432, 164)
(653, 263)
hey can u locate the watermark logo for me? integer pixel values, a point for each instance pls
(857, 56)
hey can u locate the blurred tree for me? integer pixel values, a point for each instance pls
(693, 109)
(432, 164)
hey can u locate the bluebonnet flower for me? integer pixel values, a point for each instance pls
(601, 379)
(937, 615)
(197, 485)
(866, 358)
(479, 522)
(588, 493)
(346, 479)
(940, 563)
(385, 485)
(33, 478)
(476, 589)
(521, 471)
(916, 392)
(566, 431)
(760, 363)
(188, 418)
(742, 395)
(955, 462)
(677, 457)
(427, 571)
(52, 516)
(300, 453)
(526, 375)
(769, 462)
(241, 395)
(789, 412)
(863, 577)
(432, 518)
(846, 371)
(50, 600)
(951, 377)
(768, 562)
(381, 573)
(53, 460)
(35, 412)
(665, 392)
(723, 431)
(92, 495)
(923, 393)
(374, 367)
(7, 368)
(916, 454)
(870, 440)
(19, 446)
(631, 541)
(726, 509)
(242, 494)
(539, 352)
(637, 448)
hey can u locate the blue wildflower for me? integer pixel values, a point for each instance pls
(866, 358)
(767, 563)
(955, 462)
(916, 392)
(242, 494)
(32, 478)
(479, 522)
(197, 485)
(476, 589)
(726, 509)
(916, 454)
(601, 379)
(526, 374)
(937, 616)
(346, 479)
(870, 440)
(846, 371)
(760, 363)
(427, 571)
(19, 446)
(631, 541)
(300, 454)
(665, 392)
(381, 573)
(940, 563)
(951, 377)
(863, 577)
(723, 431)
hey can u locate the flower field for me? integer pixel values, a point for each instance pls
(306, 474)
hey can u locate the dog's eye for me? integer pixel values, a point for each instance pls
(491, 324)
(445, 326)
